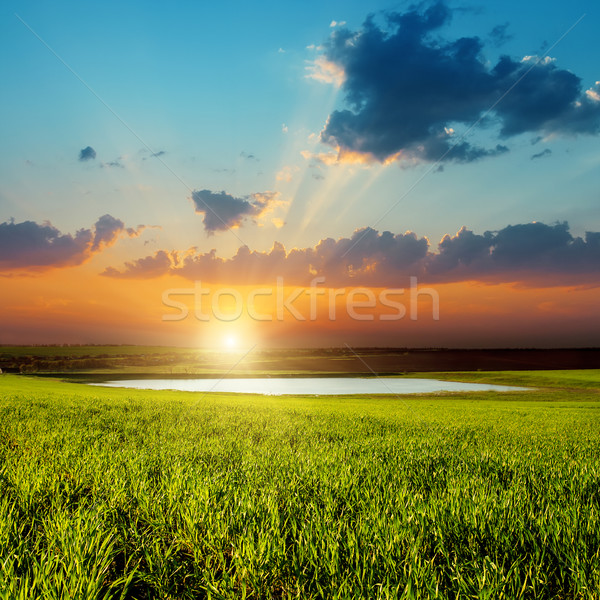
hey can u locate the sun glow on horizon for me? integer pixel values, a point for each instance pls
(230, 342)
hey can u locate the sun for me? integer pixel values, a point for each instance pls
(230, 342)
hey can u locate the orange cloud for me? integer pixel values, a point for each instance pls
(326, 71)
(344, 156)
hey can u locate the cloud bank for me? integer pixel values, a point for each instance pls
(223, 211)
(31, 246)
(533, 254)
(407, 89)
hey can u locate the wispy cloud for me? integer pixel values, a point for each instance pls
(542, 154)
(286, 173)
(326, 71)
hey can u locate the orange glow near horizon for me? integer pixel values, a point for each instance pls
(78, 306)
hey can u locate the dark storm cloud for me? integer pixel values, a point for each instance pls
(531, 254)
(406, 88)
(29, 245)
(87, 153)
(223, 211)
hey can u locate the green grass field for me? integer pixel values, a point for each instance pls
(108, 493)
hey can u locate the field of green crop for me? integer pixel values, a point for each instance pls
(108, 493)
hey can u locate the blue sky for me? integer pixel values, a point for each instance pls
(182, 102)
(209, 84)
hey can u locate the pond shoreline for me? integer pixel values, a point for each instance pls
(318, 386)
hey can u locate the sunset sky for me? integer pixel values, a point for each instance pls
(148, 147)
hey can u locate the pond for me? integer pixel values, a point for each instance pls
(319, 386)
